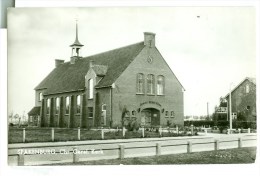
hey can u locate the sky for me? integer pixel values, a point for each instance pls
(207, 48)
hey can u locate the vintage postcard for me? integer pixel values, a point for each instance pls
(132, 86)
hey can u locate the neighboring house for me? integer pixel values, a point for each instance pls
(114, 88)
(243, 100)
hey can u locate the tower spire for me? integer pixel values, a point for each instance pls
(76, 46)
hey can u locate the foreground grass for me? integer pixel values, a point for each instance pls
(15, 135)
(229, 156)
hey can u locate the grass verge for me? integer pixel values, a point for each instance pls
(228, 156)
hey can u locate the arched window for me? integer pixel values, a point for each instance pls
(90, 88)
(172, 114)
(247, 88)
(160, 85)
(150, 84)
(78, 104)
(57, 107)
(140, 83)
(48, 105)
(67, 105)
(40, 96)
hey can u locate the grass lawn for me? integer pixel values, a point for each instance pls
(15, 135)
(229, 156)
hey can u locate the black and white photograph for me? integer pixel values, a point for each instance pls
(161, 85)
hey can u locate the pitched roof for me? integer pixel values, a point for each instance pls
(34, 111)
(100, 70)
(71, 77)
(250, 79)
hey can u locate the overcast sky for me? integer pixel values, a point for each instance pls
(206, 47)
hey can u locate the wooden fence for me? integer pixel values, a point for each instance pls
(157, 146)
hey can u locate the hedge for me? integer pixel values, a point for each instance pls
(222, 123)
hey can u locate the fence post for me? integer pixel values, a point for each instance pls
(240, 142)
(192, 130)
(20, 159)
(121, 151)
(158, 149)
(79, 133)
(205, 131)
(52, 134)
(75, 156)
(189, 147)
(160, 131)
(102, 133)
(216, 145)
(23, 135)
(143, 132)
(177, 129)
(248, 130)
(123, 131)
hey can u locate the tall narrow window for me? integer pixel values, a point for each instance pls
(140, 83)
(57, 107)
(67, 105)
(247, 88)
(150, 84)
(90, 88)
(48, 106)
(104, 114)
(78, 104)
(90, 112)
(40, 96)
(160, 85)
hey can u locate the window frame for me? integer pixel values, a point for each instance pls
(67, 105)
(57, 106)
(91, 88)
(160, 85)
(150, 84)
(78, 104)
(140, 83)
(48, 106)
(247, 88)
(172, 114)
(90, 112)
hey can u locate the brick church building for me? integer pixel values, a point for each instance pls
(110, 89)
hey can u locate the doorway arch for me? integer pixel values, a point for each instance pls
(150, 117)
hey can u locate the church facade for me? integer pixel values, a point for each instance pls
(111, 89)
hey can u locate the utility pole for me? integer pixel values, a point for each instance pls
(208, 110)
(230, 109)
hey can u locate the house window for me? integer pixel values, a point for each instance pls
(172, 114)
(48, 106)
(166, 114)
(90, 112)
(104, 107)
(40, 96)
(78, 104)
(91, 88)
(104, 114)
(160, 85)
(57, 107)
(67, 105)
(150, 84)
(140, 83)
(247, 88)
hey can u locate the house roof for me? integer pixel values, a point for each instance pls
(250, 79)
(100, 70)
(34, 111)
(71, 77)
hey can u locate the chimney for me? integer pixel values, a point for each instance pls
(58, 62)
(149, 39)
